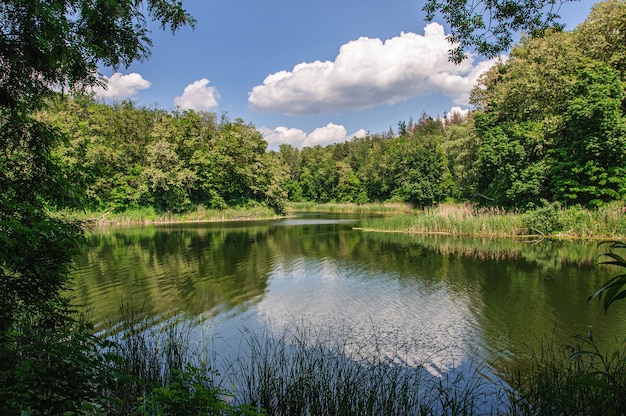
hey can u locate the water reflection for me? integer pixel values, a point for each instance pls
(433, 299)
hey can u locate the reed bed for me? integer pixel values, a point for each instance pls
(552, 220)
(150, 216)
(569, 380)
(304, 372)
(370, 208)
(168, 369)
(452, 219)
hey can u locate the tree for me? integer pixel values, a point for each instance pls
(51, 45)
(488, 26)
(551, 123)
(461, 146)
(47, 46)
(601, 35)
(589, 163)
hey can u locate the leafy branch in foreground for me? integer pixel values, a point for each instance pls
(488, 26)
(604, 372)
(613, 289)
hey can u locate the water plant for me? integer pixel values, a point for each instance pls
(305, 372)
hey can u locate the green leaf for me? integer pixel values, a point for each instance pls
(590, 379)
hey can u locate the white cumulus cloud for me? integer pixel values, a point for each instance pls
(121, 86)
(458, 112)
(368, 72)
(323, 136)
(198, 96)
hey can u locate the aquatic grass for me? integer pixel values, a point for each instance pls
(299, 370)
(462, 219)
(304, 371)
(551, 220)
(549, 382)
(161, 370)
(145, 215)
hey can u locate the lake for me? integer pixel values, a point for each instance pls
(437, 301)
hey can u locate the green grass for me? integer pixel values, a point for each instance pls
(560, 380)
(460, 219)
(149, 215)
(304, 372)
(138, 368)
(371, 208)
(549, 221)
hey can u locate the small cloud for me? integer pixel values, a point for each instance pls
(323, 136)
(198, 96)
(121, 86)
(279, 135)
(369, 72)
(457, 112)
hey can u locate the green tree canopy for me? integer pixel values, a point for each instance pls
(551, 118)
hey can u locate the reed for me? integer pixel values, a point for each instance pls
(160, 370)
(167, 369)
(559, 380)
(552, 220)
(150, 216)
(305, 372)
(461, 219)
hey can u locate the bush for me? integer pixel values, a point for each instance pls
(544, 220)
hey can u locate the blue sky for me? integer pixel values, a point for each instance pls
(306, 73)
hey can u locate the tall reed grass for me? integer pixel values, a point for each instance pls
(149, 215)
(304, 372)
(453, 219)
(168, 370)
(560, 380)
(552, 220)
(161, 370)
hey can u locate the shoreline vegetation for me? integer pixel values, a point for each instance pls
(552, 221)
(170, 369)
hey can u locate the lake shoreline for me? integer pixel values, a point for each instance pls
(458, 219)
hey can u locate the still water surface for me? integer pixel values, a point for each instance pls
(435, 300)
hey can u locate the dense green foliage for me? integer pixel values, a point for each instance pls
(49, 364)
(406, 168)
(548, 128)
(124, 157)
(552, 125)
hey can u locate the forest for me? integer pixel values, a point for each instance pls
(548, 126)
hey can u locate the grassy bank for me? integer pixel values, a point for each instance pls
(371, 208)
(150, 216)
(608, 222)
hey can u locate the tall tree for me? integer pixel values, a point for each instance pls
(47, 46)
(551, 120)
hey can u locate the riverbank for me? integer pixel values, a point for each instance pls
(151, 216)
(148, 215)
(551, 221)
(459, 219)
